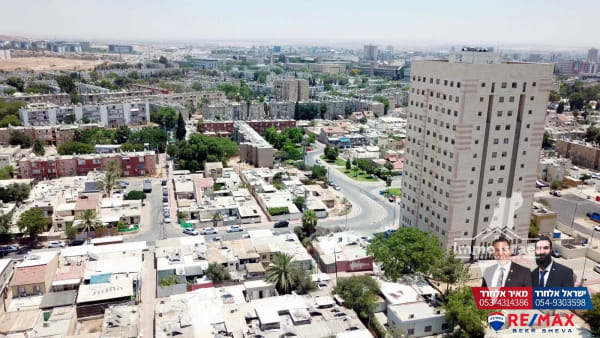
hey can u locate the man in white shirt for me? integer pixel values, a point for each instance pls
(505, 273)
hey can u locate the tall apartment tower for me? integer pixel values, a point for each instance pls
(592, 55)
(291, 89)
(370, 52)
(475, 128)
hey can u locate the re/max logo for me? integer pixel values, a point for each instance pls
(523, 319)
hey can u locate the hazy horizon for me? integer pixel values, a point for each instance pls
(526, 24)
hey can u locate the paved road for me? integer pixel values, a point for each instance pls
(376, 212)
(572, 205)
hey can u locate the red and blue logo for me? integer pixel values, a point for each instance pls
(496, 320)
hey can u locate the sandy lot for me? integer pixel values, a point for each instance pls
(47, 63)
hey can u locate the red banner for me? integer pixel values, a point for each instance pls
(503, 298)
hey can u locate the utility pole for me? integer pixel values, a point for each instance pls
(335, 260)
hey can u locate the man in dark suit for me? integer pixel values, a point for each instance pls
(549, 273)
(505, 272)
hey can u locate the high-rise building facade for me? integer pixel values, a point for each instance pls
(592, 55)
(291, 89)
(475, 128)
(370, 52)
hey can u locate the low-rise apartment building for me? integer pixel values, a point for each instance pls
(109, 114)
(34, 275)
(253, 148)
(54, 166)
(580, 153)
(225, 128)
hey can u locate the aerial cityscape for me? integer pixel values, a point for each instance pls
(269, 170)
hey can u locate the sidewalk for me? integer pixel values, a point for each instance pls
(148, 296)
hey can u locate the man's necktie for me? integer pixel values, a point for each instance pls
(500, 278)
(542, 274)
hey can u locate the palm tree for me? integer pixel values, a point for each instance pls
(282, 272)
(89, 221)
(309, 222)
(108, 183)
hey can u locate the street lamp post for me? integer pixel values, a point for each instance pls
(585, 258)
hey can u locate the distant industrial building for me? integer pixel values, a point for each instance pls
(122, 49)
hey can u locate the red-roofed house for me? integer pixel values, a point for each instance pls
(327, 132)
(34, 275)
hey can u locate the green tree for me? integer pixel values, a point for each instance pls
(9, 91)
(282, 272)
(73, 147)
(166, 117)
(135, 195)
(385, 101)
(450, 270)
(462, 312)
(65, 83)
(406, 251)
(88, 221)
(197, 86)
(6, 172)
(547, 141)
(319, 172)
(359, 293)
(32, 222)
(110, 180)
(16, 82)
(554, 96)
(9, 120)
(15, 192)
(348, 165)
(299, 202)
(122, 134)
(70, 230)
(19, 138)
(180, 132)
(5, 222)
(217, 273)
(592, 317)
(309, 222)
(38, 148)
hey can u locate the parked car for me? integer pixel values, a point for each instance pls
(597, 268)
(281, 224)
(165, 192)
(147, 186)
(319, 161)
(165, 199)
(216, 239)
(208, 231)
(166, 204)
(597, 228)
(56, 244)
(391, 199)
(556, 253)
(190, 231)
(76, 242)
(331, 182)
(167, 219)
(246, 235)
(235, 228)
(163, 183)
(336, 187)
(8, 249)
(555, 193)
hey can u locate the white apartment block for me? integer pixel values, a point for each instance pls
(475, 128)
(109, 114)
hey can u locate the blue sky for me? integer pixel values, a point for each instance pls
(497, 23)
